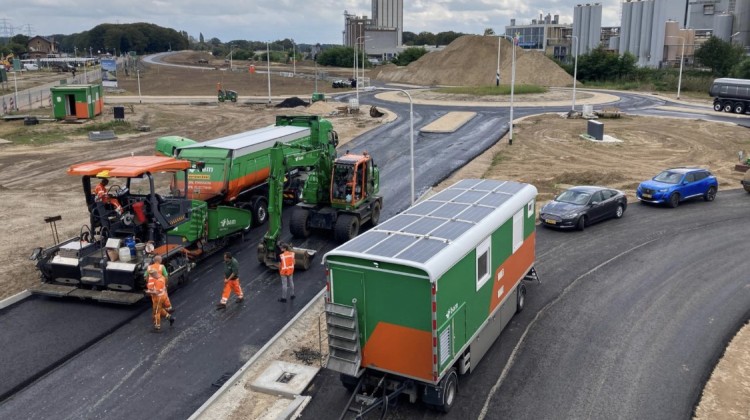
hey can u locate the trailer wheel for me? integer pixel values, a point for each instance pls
(739, 108)
(717, 106)
(347, 227)
(450, 389)
(375, 215)
(728, 107)
(298, 223)
(260, 211)
(521, 297)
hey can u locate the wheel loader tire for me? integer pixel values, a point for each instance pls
(347, 227)
(298, 223)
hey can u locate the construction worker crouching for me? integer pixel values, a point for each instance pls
(286, 271)
(157, 288)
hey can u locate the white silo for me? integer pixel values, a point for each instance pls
(723, 26)
(742, 22)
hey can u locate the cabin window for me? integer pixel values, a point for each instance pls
(483, 263)
(530, 209)
(517, 230)
(708, 9)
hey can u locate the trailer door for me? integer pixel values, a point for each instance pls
(349, 289)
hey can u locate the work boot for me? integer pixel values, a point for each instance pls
(221, 306)
(292, 297)
(157, 328)
(240, 299)
(170, 310)
(171, 320)
(282, 300)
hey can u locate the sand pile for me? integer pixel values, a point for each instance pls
(324, 108)
(471, 60)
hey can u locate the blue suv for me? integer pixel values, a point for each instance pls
(678, 184)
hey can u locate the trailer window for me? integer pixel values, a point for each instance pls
(483, 263)
(517, 230)
(530, 209)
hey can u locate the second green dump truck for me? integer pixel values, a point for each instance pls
(233, 170)
(419, 299)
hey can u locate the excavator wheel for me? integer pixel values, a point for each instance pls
(347, 227)
(375, 215)
(298, 223)
(260, 211)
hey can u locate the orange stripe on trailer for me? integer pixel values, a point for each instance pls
(512, 271)
(236, 186)
(399, 349)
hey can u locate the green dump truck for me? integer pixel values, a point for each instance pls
(419, 299)
(234, 170)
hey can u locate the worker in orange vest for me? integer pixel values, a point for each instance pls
(157, 266)
(102, 195)
(286, 271)
(231, 281)
(159, 300)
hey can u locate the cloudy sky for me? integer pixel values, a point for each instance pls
(305, 21)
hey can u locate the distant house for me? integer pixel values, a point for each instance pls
(41, 47)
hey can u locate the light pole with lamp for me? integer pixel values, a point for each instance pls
(682, 60)
(497, 75)
(575, 73)
(268, 67)
(138, 75)
(294, 60)
(411, 120)
(231, 50)
(512, 80)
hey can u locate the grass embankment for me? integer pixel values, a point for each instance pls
(43, 134)
(492, 90)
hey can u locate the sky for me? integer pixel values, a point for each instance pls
(304, 21)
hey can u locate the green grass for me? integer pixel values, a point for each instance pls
(492, 90)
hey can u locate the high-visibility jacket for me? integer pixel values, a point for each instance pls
(156, 286)
(101, 192)
(287, 263)
(160, 268)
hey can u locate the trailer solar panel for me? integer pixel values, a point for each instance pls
(447, 195)
(424, 208)
(511, 187)
(494, 199)
(426, 225)
(364, 242)
(422, 250)
(398, 222)
(449, 210)
(476, 213)
(451, 230)
(470, 197)
(393, 245)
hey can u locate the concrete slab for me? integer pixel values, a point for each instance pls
(449, 122)
(3, 141)
(284, 378)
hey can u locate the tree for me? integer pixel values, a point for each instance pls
(489, 32)
(200, 38)
(337, 56)
(742, 70)
(409, 55)
(718, 55)
(407, 38)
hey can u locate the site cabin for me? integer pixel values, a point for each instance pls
(422, 296)
(77, 101)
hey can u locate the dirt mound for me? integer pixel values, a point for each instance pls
(471, 60)
(324, 108)
(292, 102)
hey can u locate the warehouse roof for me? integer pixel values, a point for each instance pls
(436, 233)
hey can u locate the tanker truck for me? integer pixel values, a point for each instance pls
(234, 170)
(731, 95)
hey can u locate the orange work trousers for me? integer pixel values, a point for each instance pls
(229, 287)
(160, 304)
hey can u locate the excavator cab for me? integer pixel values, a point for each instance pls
(353, 180)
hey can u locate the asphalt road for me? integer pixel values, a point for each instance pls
(629, 321)
(102, 362)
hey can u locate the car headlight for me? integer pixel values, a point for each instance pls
(570, 215)
(663, 190)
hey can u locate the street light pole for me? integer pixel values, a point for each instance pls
(411, 137)
(231, 50)
(294, 59)
(138, 75)
(575, 73)
(268, 67)
(497, 75)
(682, 60)
(512, 87)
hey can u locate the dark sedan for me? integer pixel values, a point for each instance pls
(578, 207)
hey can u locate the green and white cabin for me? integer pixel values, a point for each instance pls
(426, 293)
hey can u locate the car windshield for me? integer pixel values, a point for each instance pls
(573, 197)
(668, 177)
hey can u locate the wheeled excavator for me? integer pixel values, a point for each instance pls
(339, 195)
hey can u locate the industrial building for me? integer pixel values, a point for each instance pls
(544, 34)
(587, 27)
(380, 35)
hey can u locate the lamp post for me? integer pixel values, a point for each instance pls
(231, 50)
(268, 67)
(15, 93)
(497, 75)
(682, 60)
(138, 75)
(575, 73)
(512, 81)
(294, 60)
(411, 120)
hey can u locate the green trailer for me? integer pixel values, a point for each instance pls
(420, 298)
(233, 170)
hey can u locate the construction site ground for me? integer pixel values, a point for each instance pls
(547, 152)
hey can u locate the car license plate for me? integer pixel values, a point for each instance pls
(646, 195)
(550, 221)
